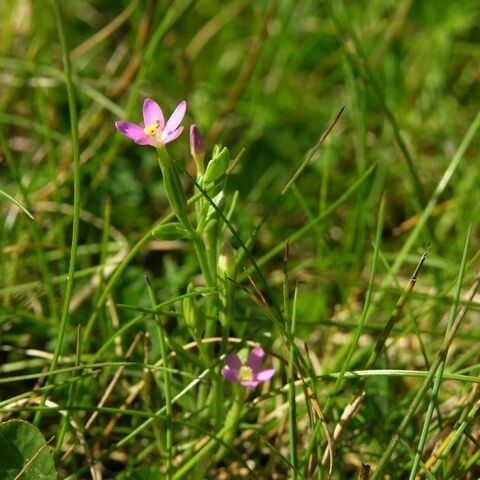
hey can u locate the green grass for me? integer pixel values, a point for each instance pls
(351, 202)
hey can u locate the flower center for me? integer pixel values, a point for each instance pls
(151, 130)
(245, 374)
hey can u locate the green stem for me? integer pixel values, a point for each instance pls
(72, 391)
(178, 202)
(202, 257)
(195, 459)
(201, 349)
(232, 421)
(224, 437)
(166, 381)
(76, 195)
(292, 406)
(131, 255)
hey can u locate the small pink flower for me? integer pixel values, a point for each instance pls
(248, 374)
(155, 131)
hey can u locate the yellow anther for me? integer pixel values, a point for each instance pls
(245, 374)
(151, 129)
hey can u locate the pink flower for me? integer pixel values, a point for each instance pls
(248, 375)
(155, 131)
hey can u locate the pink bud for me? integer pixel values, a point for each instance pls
(197, 147)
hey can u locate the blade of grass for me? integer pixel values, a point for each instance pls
(17, 203)
(70, 400)
(346, 362)
(308, 158)
(160, 332)
(319, 218)
(292, 407)
(348, 35)
(441, 186)
(420, 395)
(453, 439)
(34, 229)
(366, 305)
(71, 94)
(441, 367)
(395, 315)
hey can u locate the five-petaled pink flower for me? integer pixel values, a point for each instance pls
(155, 131)
(248, 374)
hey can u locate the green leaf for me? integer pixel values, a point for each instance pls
(24, 454)
(169, 231)
(218, 165)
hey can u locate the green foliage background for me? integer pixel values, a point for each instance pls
(265, 78)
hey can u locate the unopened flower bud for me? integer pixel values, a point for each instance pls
(218, 165)
(226, 286)
(191, 312)
(226, 261)
(197, 147)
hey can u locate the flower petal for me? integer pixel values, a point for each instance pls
(251, 384)
(147, 141)
(176, 117)
(173, 135)
(133, 131)
(264, 375)
(255, 358)
(233, 362)
(152, 112)
(230, 374)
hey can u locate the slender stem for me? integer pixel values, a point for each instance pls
(178, 202)
(232, 420)
(167, 383)
(202, 257)
(71, 397)
(201, 348)
(292, 406)
(71, 94)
